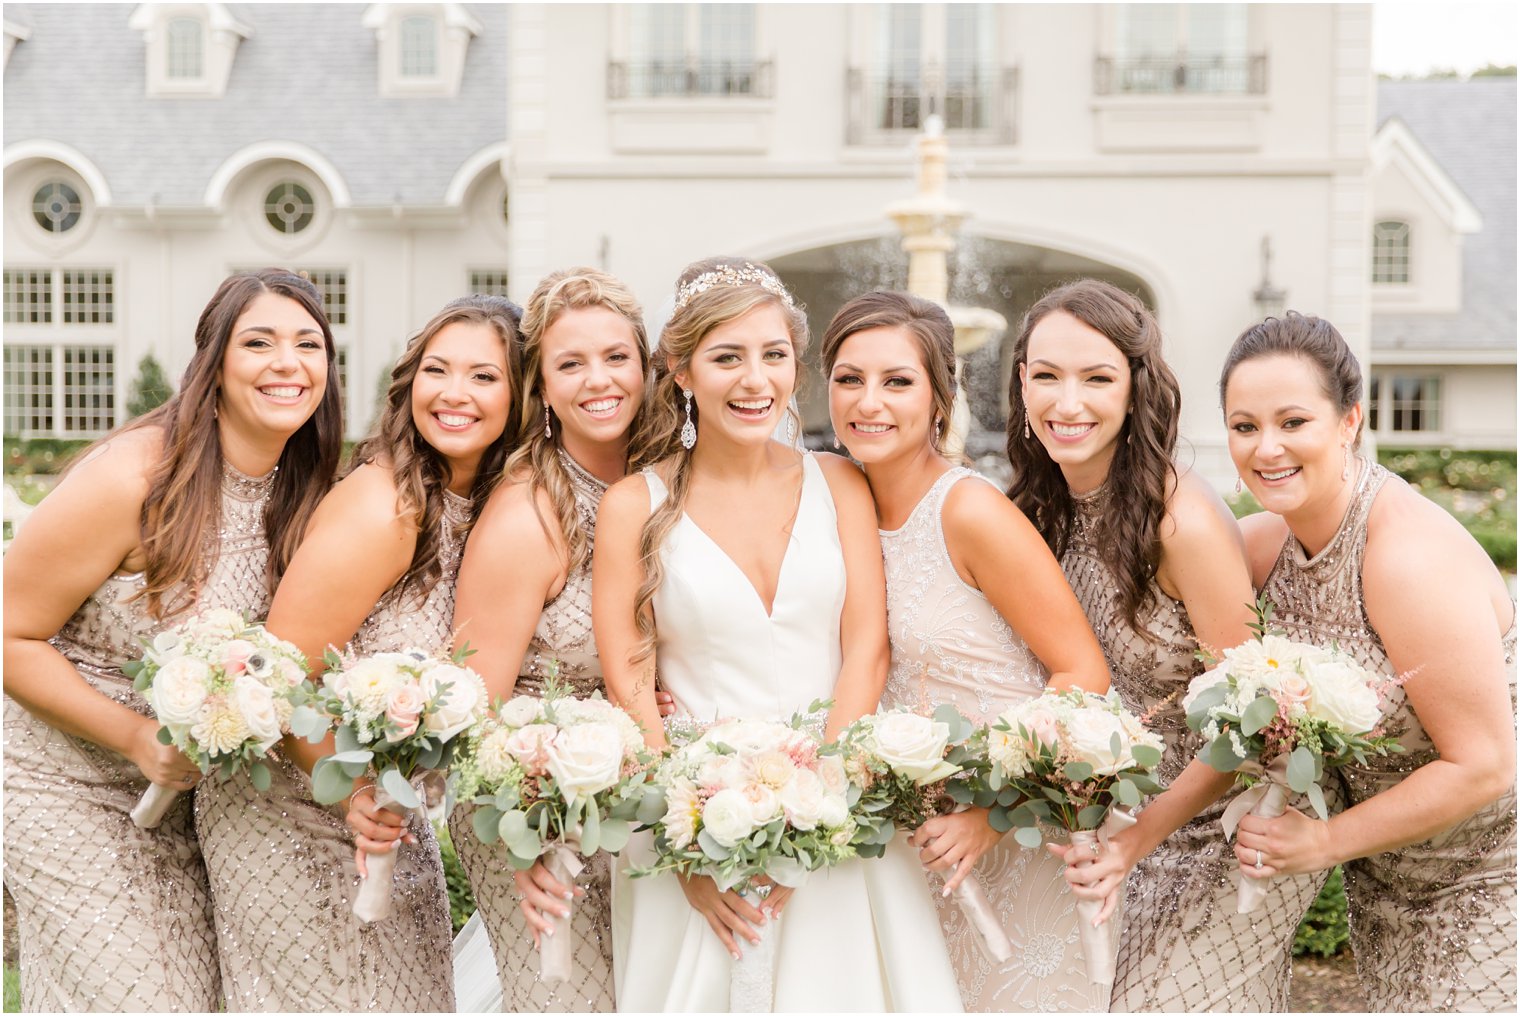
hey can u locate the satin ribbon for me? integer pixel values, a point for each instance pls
(1246, 801)
(1098, 942)
(556, 961)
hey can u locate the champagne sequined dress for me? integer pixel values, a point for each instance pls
(113, 917)
(950, 645)
(1183, 948)
(562, 639)
(282, 866)
(1432, 924)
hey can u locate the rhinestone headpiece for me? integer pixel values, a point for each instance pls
(732, 275)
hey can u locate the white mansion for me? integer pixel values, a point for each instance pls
(1222, 160)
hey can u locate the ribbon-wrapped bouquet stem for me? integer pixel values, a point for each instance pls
(1067, 759)
(398, 719)
(1276, 713)
(898, 763)
(556, 778)
(225, 691)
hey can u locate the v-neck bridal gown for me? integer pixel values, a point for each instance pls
(862, 936)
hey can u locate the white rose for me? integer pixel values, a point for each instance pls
(802, 800)
(179, 690)
(1343, 696)
(1090, 734)
(458, 696)
(833, 812)
(831, 773)
(216, 623)
(728, 817)
(763, 802)
(750, 737)
(520, 711)
(913, 745)
(586, 759)
(256, 702)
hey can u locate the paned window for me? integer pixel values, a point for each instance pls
(930, 59)
(28, 296)
(70, 296)
(1196, 48)
(28, 390)
(56, 207)
(1404, 403)
(289, 208)
(1390, 253)
(688, 49)
(89, 389)
(88, 297)
(343, 378)
(419, 47)
(491, 282)
(185, 57)
(332, 283)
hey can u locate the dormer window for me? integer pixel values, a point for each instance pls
(419, 47)
(185, 51)
(1390, 253)
(422, 47)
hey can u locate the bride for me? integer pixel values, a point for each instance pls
(749, 576)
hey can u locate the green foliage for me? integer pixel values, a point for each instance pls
(150, 388)
(1323, 930)
(12, 989)
(39, 454)
(1478, 488)
(461, 898)
(1243, 504)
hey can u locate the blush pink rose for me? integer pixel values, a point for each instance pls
(403, 708)
(530, 746)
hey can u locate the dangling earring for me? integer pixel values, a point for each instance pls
(791, 430)
(1027, 432)
(1346, 461)
(548, 430)
(689, 430)
(836, 442)
(1237, 485)
(939, 427)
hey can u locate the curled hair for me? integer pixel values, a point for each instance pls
(538, 453)
(1308, 338)
(924, 320)
(1142, 463)
(420, 472)
(658, 436)
(182, 510)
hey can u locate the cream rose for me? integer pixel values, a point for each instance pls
(802, 800)
(913, 745)
(179, 691)
(256, 702)
(771, 768)
(403, 708)
(763, 802)
(530, 746)
(1343, 696)
(833, 812)
(728, 817)
(458, 695)
(586, 759)
(831, 773)
(1089, 738)
(521, 711)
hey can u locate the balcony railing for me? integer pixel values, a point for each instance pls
(1180, 75)
(976, 107)
(689, 78)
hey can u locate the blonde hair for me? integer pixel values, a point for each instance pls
(658, 436)
(537, 453)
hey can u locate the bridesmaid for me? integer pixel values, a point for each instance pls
(375, 572)
(1352, 555)
(1158, 565)
(196, 505)
(524, 599)
(979, 616)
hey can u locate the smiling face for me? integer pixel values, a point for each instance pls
(274, 371)
(880, 399)
(461, 395)
(1287, 439)
(1076, 386)
(741, 376)
(591, 378)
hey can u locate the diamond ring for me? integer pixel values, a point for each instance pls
(1095, 848)
(1258, 860)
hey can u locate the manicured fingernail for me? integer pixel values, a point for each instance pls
(550, 932)
(564, 911)
(568, 895)
(735, 954)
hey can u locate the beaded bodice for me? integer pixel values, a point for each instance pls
(400, 621)
(563, 640)
(106, 631)
(1150, 673)
(949, 644)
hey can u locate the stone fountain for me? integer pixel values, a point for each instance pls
(928, 222)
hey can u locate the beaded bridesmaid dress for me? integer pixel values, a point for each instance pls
(282, 866)
(563, 639)
(858, 937)
(950, 645)
(1183, 948)
(1432, 924)
(113, 917)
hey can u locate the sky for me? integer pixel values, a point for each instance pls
(1414, 38)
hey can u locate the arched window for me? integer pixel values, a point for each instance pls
(1390, 253)
(419, 47)
(185, 58)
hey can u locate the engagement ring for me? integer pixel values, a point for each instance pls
(1258, 860)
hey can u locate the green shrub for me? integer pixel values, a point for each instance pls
(150, 389)
(1323, 930)
(40, 454)
(1442, 467)
(1243, 504)
(12, 989)
(461, 898)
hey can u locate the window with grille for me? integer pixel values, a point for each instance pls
(931, 59)
(28, 296)
(1188, 48)
(184, 51)
(491, 282)
(1404, 403)
(56, 207)
(332, 283)
(70, 296)
(1390, 253)
(28, 390)
(289, 208)
(342, 379)
(419, 47)
(89, 389)
(88, 297)
(688, 49)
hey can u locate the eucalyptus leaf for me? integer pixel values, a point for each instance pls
(260, 776)
(999, 819)
(361, 755)
(1301, 769)
(512, 826)
(1317, 801)
(431, 757)
(615, 834)
(308, 723)
(1077, 771)
(329, 783)
(486, 822)
(1092, 816)
(1029, 837)
(652, 806)
(395, 785)
(527, 846)
(345, 739)
(1145, 756)
(353, 770)
(1127, 793)
(591, 830)
(960, 793)
(711, 847)
(1261, 711)
(164, 737)
(1221, 755)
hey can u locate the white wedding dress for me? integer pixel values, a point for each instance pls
(862, 936)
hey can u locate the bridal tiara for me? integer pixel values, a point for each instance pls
(733, 275)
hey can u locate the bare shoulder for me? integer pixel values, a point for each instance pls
(119, 467)
(844, 477)
(1411, 540)
(1265, 534)
(512, 505)
(972, 502)
(1195, 511)
(628, 498)
(365, 500)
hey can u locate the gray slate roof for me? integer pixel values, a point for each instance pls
(309, 73)
(1469, 128)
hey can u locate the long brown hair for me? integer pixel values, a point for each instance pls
(537, 454)
(182, 510)
(1142, 464)
(420, 472)
(659, 434)
(924, 320)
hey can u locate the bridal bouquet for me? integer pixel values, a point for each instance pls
(555, 778)
(225, 691)
(897, 763)
(1277, 713)
(744, 801)
(1067, 758)
(398, 718)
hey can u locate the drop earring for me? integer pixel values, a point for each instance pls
(1027, 432)
(939, 428)
(548, 430)
(836, 442)
(1237, 485)
(1346, 461)
(689, 429)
